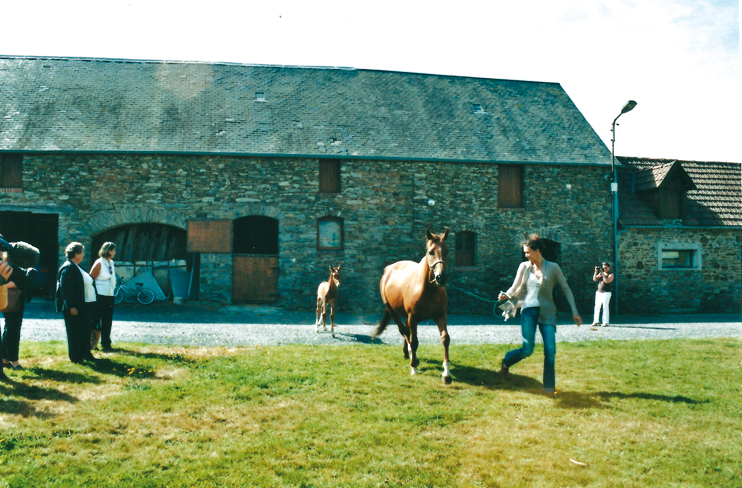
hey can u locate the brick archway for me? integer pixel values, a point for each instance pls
(134, 215)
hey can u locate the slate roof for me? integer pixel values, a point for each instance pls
(103, 105)
(654, 176)
(716, 199)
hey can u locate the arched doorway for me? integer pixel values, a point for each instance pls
(157, 248)
(255, 259)
(144, 242)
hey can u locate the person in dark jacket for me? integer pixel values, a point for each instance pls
(21, 280)
(5, 273)
(75, 298)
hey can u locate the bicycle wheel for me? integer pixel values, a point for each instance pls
(119, 296)
(145, 296)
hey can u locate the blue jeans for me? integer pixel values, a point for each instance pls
(528, 323)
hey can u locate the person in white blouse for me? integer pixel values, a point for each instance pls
(75, 298)
(104, 273)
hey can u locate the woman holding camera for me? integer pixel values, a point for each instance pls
(76, 299)
(603, 295)
(534, 287)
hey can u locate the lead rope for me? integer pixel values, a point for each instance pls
(494, 307)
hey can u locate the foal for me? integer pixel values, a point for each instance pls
(327, 294)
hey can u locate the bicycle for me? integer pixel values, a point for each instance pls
(145, 296)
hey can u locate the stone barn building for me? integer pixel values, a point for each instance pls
(257, 178)
(680, 236)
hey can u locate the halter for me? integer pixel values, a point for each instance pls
(431, 266)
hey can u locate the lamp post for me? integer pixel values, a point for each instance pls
(614, 190)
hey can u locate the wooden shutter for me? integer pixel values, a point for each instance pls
(510, 186)
(12, 170)
(329, 176)
(210, 236)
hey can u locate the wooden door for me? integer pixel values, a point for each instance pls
(254, 278)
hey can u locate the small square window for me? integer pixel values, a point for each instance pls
(330, 234)
(478, 109)
(259, 97)
(679, 256)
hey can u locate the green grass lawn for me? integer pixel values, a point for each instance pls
(643, 413)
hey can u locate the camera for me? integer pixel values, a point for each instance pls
(599, 268)
(20, 255)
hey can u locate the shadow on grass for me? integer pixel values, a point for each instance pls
(10, 388)
(361, 338)
(489, 378)
(575, 399)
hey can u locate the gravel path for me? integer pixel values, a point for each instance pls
(198, 325)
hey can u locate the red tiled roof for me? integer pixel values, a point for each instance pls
(716, 199)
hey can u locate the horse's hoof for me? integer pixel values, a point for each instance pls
(446, 379)
(413, 371)
(333, 335)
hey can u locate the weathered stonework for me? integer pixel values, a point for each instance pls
(715, 287)
(383, 204)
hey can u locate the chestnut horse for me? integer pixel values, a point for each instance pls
(417, 292)
(327, 294)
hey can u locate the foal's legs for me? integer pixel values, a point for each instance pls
(446, 340)
(332, 317)
(319, 310)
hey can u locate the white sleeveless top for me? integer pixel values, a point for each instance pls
(106, 280)
(532, 289)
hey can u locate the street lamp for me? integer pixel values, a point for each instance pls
(614, 189)
(626, 108)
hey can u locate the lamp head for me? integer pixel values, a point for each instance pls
(628, 107)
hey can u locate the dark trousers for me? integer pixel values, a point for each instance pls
(104, 319)
(11, 337)
(78, 332)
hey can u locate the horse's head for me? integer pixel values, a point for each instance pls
(436, 255)
(335, 275)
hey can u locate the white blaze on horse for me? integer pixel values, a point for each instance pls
(327, 295)
(416, 292)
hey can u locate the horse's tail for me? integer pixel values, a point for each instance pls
(382, 324)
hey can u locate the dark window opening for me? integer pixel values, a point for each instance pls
(330, 233)
(465, 248)
(329, 176)
(143, 242)
(510, 186)
(552, 251)
(679, 258)
(12, 170)
(255, 235)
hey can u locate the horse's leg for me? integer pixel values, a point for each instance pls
(446, 340)
(414, 361)
(332, 317)
(402, 330)
(324, 316)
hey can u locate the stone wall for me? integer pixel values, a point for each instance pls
(384, 205)
(715, 287)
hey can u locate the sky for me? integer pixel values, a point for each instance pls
(678, 59)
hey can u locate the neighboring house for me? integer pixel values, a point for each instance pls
(680, 236)
(259, 177)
